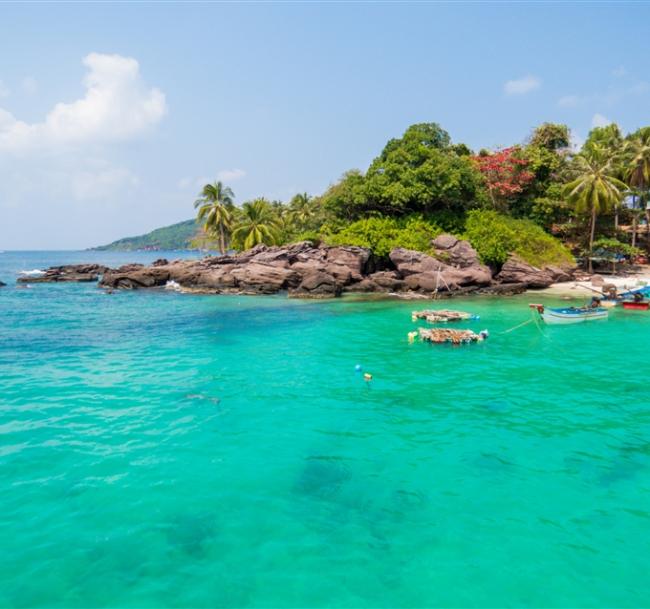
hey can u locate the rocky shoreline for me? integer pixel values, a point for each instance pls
(306, 271)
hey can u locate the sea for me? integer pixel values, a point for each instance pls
(160, 449)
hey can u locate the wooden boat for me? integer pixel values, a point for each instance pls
(636, 305)
(570, 315)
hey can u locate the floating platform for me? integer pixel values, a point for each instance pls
(442, 315)
(454, 337)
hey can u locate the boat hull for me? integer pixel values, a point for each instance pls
(568, 316)
(636, 306)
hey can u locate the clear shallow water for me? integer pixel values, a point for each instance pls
(159, 449)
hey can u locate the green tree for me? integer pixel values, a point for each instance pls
(215, 206)
(636, 161)
(257, 224)
(551, 136)
(302, 211)
(594, 188)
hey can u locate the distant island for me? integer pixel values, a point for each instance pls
(186, 235)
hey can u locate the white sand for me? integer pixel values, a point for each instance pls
(581, 289)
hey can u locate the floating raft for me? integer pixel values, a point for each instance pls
(442, 315)
(455, 337)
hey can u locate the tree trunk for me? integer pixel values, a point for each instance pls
(222, 240)
(634, 221)
(590, 268)
(616, 219)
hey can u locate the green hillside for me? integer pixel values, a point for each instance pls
(181, 236)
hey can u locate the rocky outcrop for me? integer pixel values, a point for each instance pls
(2, 284)
(70, 272)
(306, 271)
(516, 270)
(455, 252)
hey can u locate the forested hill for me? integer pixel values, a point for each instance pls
(179, 236)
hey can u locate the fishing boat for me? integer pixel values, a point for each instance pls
(570, 315)
(636, 305)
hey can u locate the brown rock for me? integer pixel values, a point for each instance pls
(316, 284)
(516, 270)
(410, 262)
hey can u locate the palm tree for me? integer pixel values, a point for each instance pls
(636, 154)
(594, 189)
(257, 224)
(302, 209)
(215, 205)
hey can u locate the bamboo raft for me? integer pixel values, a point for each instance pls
(442, 315)
(454, 337)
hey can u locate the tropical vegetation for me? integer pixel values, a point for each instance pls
(540, 198)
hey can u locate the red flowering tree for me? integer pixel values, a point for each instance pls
(505, 173)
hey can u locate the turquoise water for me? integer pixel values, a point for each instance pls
(159, 449)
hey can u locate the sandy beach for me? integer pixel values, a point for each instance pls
(629, 280)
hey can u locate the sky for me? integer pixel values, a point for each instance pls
(113, 115)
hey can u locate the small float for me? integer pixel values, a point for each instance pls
(454, 337)
(570, 315)
(442, 315)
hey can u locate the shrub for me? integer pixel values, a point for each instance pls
(610, 248)
(381, 235)
(495, 236)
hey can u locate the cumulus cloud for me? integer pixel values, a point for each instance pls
(523, 85)
(117, 105)
(598, 120)
(230, 175)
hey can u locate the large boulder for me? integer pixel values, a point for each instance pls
(353, 258)
(517, 270)
(2, 284)
(455, 252)
(264, 278)
(559, 274)
(316, 284)
(410, 262)
(144, 277)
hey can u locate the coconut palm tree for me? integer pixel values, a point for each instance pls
(215, 205)
(257, 224)
(636, 155)
(594, 189)
(301, 209)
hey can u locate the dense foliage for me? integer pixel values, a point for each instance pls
(381, 235)
(495, 236)
(506, 200)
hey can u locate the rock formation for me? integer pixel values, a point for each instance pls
(306, 271)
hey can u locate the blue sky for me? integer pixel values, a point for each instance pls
(111, 115)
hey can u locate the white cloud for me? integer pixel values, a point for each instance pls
(4, 90)
(29, 85)
(230, 175)
(598, 120)
(523, 85)
(117, 105)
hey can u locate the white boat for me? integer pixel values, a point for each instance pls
(570, 315)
